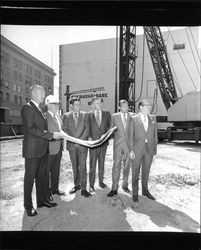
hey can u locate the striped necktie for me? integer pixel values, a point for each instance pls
(98, 117)
(124, 120)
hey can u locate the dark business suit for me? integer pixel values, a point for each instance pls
(144, 152)
(78, 153)
(55, 153)
(96, 131)
(121, 149)
(35, 149)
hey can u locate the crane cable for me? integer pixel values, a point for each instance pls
(183, 61)
(142, 69)
(176, 80)
(192, 52)
(194, 44)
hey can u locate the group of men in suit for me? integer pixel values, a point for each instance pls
(135, 143)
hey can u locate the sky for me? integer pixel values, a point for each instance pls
(43, 42)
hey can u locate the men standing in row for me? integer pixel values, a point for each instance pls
(99, 123)
(144, 144)
(76, 124)
(55, 124)
(121, 147)
(35, 150)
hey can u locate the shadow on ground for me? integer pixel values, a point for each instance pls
(100, 213)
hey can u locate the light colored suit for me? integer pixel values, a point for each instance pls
(55, 153)
(78, 153)
(144, 152)
(54, 146)
(121, 149)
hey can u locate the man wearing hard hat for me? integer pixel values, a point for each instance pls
(55, 124)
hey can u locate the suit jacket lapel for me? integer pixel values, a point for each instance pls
(140, 122)
(127, 121)
(120, 121)
(40, 112)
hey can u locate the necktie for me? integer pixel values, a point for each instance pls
(57, 121)
(124, 120)
(76, 118)
(145, 122)
(98, 117)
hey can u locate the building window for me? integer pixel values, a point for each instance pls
(20, 100)
(19, 89)
(1, 95)
(15, 99)
(28, 69)
(15, 75)
(14, 87)
(177, 46)
(6, 84)
(2, 82)
(5, 57)
(7, 97)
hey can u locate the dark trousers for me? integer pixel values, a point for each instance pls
(35, 168)
(53, 171)
(78, 159)
(97, 154)
(144, 160)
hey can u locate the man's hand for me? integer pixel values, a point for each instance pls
(57, 136)
(132, 155)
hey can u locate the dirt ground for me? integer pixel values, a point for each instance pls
(174, 181)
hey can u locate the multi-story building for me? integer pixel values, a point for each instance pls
(19, 71)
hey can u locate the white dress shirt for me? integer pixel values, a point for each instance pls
(100, 114)
(122, 118)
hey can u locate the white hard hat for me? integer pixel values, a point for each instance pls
(51, 99)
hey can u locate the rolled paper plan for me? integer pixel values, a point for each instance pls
(90, 144)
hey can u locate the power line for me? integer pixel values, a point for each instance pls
(183, 61)
(142, 69)
(192, 52)
(176, 80)
(194, 44)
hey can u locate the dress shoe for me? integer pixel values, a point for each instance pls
(135, 198)
(111, 193)
(102, 185)
(58, 192)
(146, 193)
(85, 193)
(135, 201)
(91, 189)
(31, 212)
(50, 198)
(126, 190)
(47, 204)
(74, 190)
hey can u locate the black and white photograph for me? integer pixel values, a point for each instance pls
(100, 128)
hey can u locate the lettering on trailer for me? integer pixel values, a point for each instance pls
(91, 95)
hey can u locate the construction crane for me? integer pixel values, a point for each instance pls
(185, 118)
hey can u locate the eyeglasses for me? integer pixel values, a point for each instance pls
(55, 103)
(148, 105)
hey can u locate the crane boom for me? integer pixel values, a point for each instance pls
(161, 65)
(128, 55)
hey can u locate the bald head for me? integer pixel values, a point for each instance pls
(37, 93)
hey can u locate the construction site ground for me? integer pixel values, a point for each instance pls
(174, 181)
